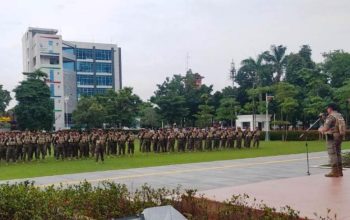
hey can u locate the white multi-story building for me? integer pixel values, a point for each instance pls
(74, 69)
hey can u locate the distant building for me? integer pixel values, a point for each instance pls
(198, 80)
(74, 69)
(246, 121)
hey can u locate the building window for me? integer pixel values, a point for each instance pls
(68, 66)
(68, 118)
(104, 80)
(100, 90)
(84, 67)
(52, 77)
(103, 54)
(84, 53)
(50, 42)
(85, 80)
(103, 67)
(85, 92)
(54, 60)
(68, 50)
(52, 90)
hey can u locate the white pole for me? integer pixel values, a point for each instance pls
(66, 98)
(267, 120)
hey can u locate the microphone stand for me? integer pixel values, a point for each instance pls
(307, 145)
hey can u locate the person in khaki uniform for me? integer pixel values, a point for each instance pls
(41, 145)
(335, 129)
(27, 148)
(256, 137)
(11, 148)
(60, 142)
(131, 143)
(239, 137)
(122, 143)
(248, 138)
(101, 141)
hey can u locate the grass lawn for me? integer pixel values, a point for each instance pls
(52, 167)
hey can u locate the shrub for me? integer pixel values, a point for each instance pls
(294, 135)
(110, 200)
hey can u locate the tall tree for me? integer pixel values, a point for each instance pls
(89, 113)
(5, 98)
(285, 95)
(149, 116)
(34, 110)
(227, 110)
(122, 106)
(337, 66)
(205, 114)
(277, 57)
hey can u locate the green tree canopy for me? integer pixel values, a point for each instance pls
(34, 110)
(5, 99)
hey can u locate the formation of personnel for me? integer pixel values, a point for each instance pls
(69, 144)
(195, 139)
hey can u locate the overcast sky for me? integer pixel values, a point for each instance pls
(156, 35)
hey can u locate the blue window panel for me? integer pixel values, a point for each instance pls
(84, 67)
(52, 90)
(100, 91)
(52, 75)
(103, 54)
(85, 80)
(104, 80)
(68, 50)
(85, 92)
(84, 53)
(103, 67)
(68, 66)
(50, 42)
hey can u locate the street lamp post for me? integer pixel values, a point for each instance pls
(267, 136)
(66, 99)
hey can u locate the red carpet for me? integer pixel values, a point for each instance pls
(308, 194)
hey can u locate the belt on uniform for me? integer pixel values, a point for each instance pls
(330, 136)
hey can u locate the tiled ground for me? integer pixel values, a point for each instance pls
(202, 176)
(307, 194)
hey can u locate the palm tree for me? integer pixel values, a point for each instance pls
(277, 58)
(254, 69)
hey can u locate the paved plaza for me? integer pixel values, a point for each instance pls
(201, 176)
(277, 180)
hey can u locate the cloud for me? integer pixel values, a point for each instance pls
(156, 35)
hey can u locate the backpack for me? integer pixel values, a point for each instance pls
(340, 124)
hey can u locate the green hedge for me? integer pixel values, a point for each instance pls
(109, 200)
(294, 135)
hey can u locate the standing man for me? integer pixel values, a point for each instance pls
(335, 129)
(101, 141)
(131, 143)
(256, 137)
(239, 137)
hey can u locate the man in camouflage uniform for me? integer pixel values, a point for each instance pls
(60, 145)
(84, 145)
(181, 139)
(19, 146)
(27, 148)
(2, 147)
(34, 147)
(131, 143)
(41, 145)
(239, 137)
(171, 141)
(256, 137)
(101, 141)
(11, 148)
(122, 143)
(334, 128)
(248, 138)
